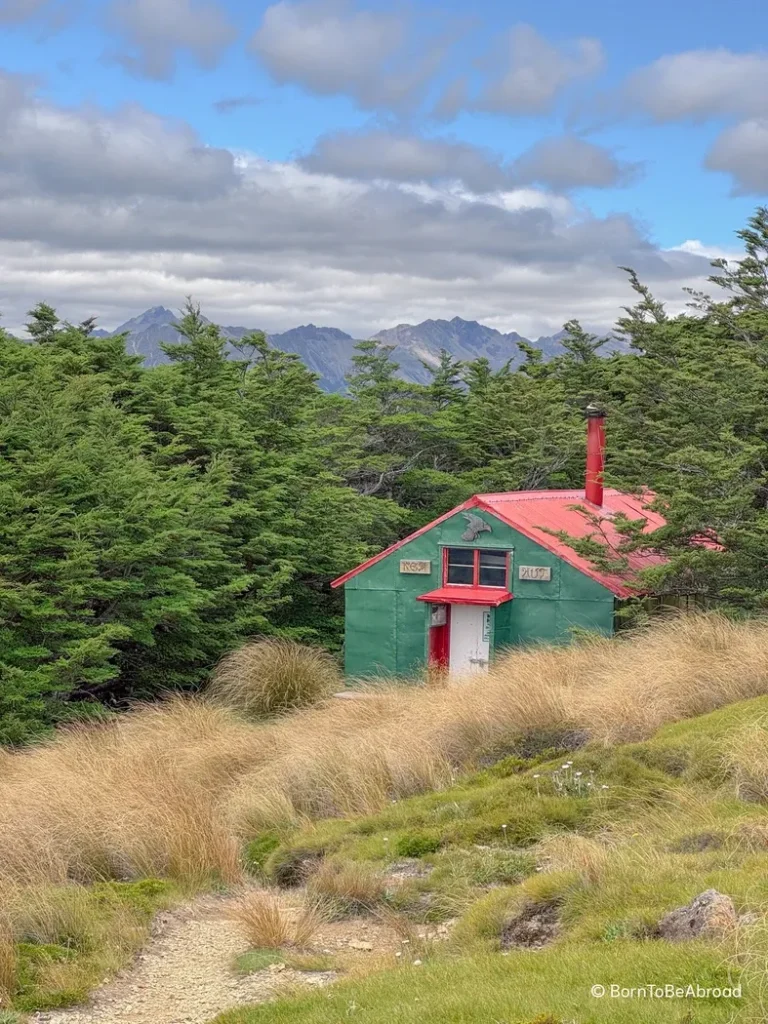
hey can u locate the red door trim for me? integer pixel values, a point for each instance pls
(440, 643)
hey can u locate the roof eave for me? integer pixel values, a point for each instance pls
(341, 580)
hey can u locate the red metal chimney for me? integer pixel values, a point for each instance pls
(593, 491)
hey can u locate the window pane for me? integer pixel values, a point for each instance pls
(493, 569)
(492, 577)
(494, 559)
(461, 556)
(460, 574)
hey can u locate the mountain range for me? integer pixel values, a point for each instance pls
(328, 351)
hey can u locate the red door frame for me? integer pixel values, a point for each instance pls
(440, 642)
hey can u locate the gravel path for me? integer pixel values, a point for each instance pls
(183, 976)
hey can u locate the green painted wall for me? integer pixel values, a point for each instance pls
(386, 626)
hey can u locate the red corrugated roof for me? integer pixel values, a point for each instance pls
(529, 511)
(467, 595)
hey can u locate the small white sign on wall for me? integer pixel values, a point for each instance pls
(438, 615)
(540, 573)
(421, 567)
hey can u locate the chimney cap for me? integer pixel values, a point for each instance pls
(594, 411)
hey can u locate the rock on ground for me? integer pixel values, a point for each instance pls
(533, 928)
(710, 915)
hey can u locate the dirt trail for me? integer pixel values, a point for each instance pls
(183, 975)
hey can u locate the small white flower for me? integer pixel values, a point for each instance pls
(537, 776)
(604, 787)
(577, 774)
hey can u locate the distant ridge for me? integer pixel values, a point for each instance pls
(328, 351)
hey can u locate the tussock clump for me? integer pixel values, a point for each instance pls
(272, 676)
(268, 925)
(346, 888)
(585, 857)
(746, 758)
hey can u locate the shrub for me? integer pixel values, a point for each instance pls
(416, 844)
(272, 676)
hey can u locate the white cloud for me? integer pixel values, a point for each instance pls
(742, 152)
(278, 291)
(155, 30)
(710, 252)
(568, 161)
(107, 214)
(700, 84)
(330, 48)
(562, 163)
(525, 74)
(383, 155)
(49, 150)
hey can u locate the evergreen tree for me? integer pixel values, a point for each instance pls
(445, 387)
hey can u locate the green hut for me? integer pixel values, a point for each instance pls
(491, 574)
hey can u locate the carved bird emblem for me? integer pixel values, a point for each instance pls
(475, 526)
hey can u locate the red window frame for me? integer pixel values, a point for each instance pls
(475, 568)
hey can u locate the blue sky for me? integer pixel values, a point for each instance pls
(543, 142)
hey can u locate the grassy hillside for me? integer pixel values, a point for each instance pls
(447, 807)
(504, 846)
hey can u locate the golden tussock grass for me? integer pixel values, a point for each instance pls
(272, 676)
(8, 965)
(746, 758)
(587, 858)
(268, 925)
(172, 789)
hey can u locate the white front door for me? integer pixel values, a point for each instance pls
(470, 638)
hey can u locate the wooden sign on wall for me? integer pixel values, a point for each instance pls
(540, 573)
(421, 567)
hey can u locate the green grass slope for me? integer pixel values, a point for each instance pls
(601, 841)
